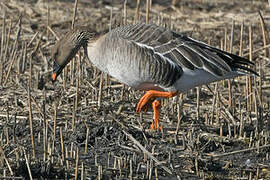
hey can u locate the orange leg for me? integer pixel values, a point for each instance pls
(152, 94)
(156, 107)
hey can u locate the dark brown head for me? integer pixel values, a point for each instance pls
(67, 47)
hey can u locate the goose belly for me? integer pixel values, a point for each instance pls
(193, 78)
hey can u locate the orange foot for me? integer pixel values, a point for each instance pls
(152, 94)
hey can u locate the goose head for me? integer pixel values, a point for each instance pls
(67, 47)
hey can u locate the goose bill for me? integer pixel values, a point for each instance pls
(56, 71)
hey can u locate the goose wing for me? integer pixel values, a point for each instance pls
(184, 51)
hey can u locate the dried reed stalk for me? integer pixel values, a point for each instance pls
(86, 140)
(14, 49)
(7, 42)
(77, 83)
(74, 114)
(77, 164)
(100, 89)
(147, 11)
(27, 164)
(48, 21)
(54, 120)
(62, 145)
(3, 39)
(45, 130)
(74, 13)
(198, 103)
(83, 172)
(137, 14)
(250, 78)
(65, 77)
(125, 12)
(241, 40)
(31, 122)
(266, 39)
(6, 161)
(229, 81)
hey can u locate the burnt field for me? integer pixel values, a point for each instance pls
(85, 125)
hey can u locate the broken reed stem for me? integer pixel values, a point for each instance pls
(45, 130)
(74, 13)
(31, 122)
(213, 104)
(225, 40)
(54, 120)
(257, 50)
(198, 103)
(241, 40)
(33, 38)
(123, 92)
(147, 11)
(260, 83)
(237, 151)
(65, 78)
(77, 164)
(48, 21)
(257, 123)
(9, 68)
(100, 89)
(111, 16)
(125, 12)
(73, 114)
(147, 152)
(71, 66)
(229, 80)
(266, 39)
(100, 172)
(77, 82)
(196, 165)
(179, 118)
(54, 34)
(24, 58)
(250, 78)
(71, 150)
(83, 172)
(137, 14)
(225, 48)
(7, 42)
(14, 49)
(2, 46)
(66, 157)
(86, 140)
(27, 164)
(232, 37)
(30, 73)
(62, 145)
(3, 156)
(76, 98)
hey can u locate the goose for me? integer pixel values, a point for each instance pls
(151, 58)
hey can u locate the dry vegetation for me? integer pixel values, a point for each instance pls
(85, 125)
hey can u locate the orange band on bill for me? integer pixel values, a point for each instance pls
(54, 76)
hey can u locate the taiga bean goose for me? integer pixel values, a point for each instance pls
(150, 58)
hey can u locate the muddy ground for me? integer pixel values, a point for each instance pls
(85, 125)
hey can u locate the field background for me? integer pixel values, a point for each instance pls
(85, 126)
